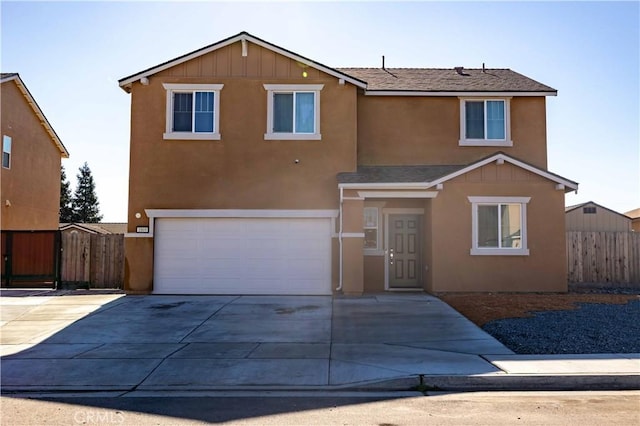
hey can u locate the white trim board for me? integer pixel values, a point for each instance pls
(499, 158)
(573, 186)
(36, 109)
(241, 37)
(461, 93)
(398, 194)
(386, 185)
(255, 213)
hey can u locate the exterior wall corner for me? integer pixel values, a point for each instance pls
(138, 272)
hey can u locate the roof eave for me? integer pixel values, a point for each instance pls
(461, 93)
(566, 184)
(578, 206)
(126, 82)
(385, 185)
(36, 109)
(563, 184)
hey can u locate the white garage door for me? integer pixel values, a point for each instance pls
(242, 256)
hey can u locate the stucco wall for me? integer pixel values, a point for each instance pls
(138, 265)
(452, 266)
(32, 184)
(426, 130)
(242, 170)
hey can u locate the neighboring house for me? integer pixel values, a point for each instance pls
(31, 154)
(635, 219)
(255, 170)
(93, 228)
(590, 216)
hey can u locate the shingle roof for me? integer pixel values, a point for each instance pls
(99, 228)
(633, 214)
(242, 36)
(378, 79)
(396, 174)
(7, 75)
(435, 174)
(446, 80)
(568, 209)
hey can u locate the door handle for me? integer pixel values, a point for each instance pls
(391, 256)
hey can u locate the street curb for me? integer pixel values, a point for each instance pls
(422, 383)
(511, 382)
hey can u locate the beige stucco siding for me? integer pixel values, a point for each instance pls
(448, 265)
(453, 268)
(426, 130)
(32, 184)
(242, 170)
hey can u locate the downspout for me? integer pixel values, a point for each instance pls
(339, 288)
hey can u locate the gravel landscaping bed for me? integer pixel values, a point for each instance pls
(592, 328)
(588, 319)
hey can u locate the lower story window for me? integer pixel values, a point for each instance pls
(499, 225)
(371, 228)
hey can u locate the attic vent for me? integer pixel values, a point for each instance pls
(589, 210)
(459, 70)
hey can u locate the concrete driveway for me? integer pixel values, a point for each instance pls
(122, 343)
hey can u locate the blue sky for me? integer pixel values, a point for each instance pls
(71, 54)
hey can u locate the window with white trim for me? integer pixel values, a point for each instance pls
(499, 225)
(485, 122)
(193, 111)
(371, 228)
(6, 151)
(293, 111)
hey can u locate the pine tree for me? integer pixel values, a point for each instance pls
(66, 212)
(85, 203)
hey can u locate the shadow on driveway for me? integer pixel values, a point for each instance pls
(117, 343)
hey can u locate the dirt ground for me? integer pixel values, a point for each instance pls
(484, 307)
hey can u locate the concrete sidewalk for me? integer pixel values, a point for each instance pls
(63, 341)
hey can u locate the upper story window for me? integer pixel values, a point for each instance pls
(485, 122)
(499, 225)
(193, 111)
(6, 152)
(293, 111)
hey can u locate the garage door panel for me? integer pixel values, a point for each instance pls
(243, 256)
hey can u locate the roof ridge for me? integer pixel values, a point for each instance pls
(425, 68)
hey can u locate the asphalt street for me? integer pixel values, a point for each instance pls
(619, 408)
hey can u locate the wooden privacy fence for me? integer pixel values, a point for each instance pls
(94, 259)
(604, 257)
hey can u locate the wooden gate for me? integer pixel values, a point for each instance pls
(30, 258)
(95, 260)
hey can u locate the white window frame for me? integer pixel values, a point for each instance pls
(6, 139)
(293, 88)
(377, 250)
(523, 250)
(485, 142)
(172, 88)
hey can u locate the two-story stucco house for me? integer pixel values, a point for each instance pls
(31, 154)
(255, 170)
